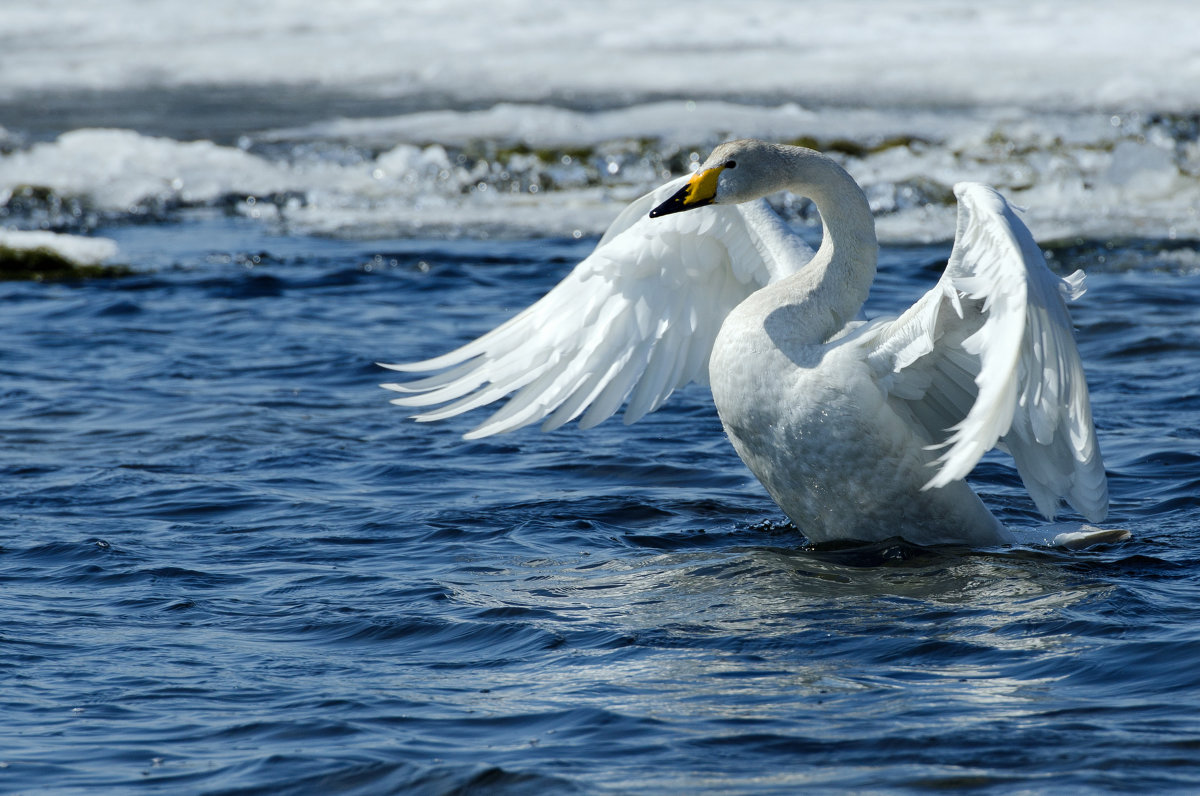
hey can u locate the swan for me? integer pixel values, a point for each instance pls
(859, 430)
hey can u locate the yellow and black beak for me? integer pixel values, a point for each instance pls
(699, 191)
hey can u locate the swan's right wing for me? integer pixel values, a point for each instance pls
(635, 320)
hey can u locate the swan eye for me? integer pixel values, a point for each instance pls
(731, 164)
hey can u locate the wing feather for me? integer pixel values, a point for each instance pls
(987, 358)
(632, 322)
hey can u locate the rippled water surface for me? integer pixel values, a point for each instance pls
(228, 565)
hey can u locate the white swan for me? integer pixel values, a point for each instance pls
(858, 430)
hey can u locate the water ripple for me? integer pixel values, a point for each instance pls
(229, 567)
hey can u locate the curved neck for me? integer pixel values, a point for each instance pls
(834, 285)
(848, 226)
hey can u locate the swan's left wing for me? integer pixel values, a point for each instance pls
(987, 358)
(635, 320)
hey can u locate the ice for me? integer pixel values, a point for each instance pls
(1142, 170)
(118, 169)
(78, 249)
(1076, 175)
(685, 121)
(455, 118)
(1071, 54)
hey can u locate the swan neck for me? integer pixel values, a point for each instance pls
(848, 226)
(844, 265)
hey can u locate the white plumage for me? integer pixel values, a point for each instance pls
(859, 430)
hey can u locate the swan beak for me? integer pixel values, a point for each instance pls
(700, 190)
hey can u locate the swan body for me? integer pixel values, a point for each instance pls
(858, 430)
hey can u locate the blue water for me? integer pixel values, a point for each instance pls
(229, 566)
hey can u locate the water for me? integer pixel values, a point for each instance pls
(229, 566)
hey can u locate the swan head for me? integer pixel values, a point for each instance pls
(736, 171)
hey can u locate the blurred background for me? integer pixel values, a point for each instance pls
(451, 118)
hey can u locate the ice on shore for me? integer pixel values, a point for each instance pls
(1066, 55)
(544, 171)
(453, 118)
(76, 249)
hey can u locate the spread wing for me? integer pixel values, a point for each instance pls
(987, 358)
(633, 321)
